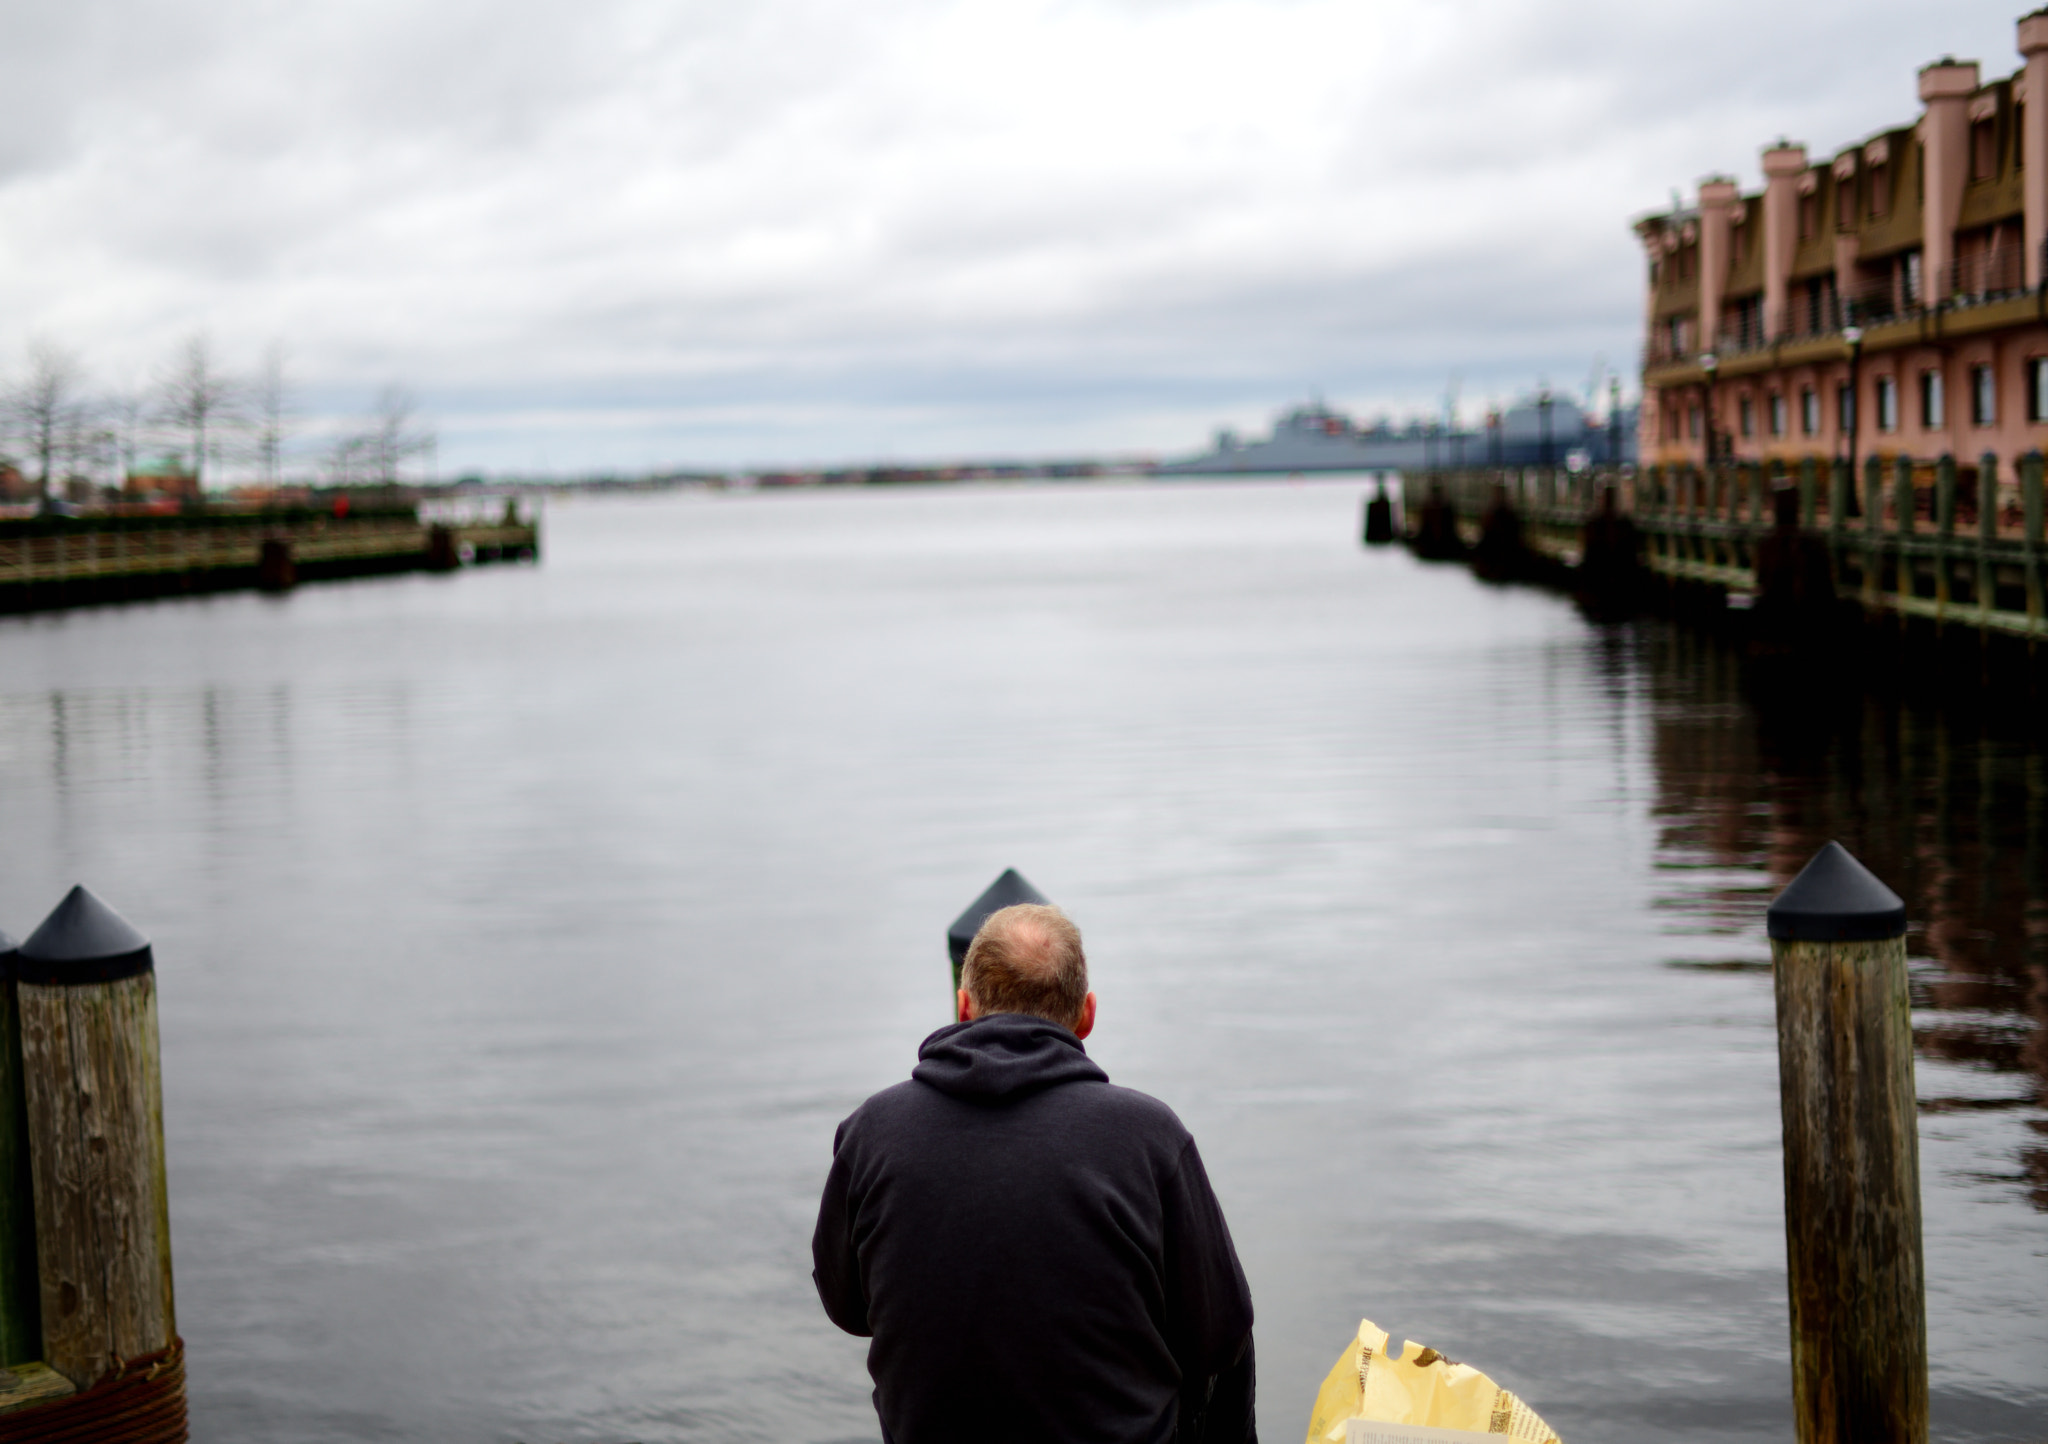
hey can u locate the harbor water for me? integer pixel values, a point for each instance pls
(522, 936)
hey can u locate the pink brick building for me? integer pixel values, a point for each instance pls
(1887, 300)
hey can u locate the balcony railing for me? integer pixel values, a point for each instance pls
(1987, 276)
(1974, 280)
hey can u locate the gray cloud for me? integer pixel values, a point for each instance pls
(616, 233)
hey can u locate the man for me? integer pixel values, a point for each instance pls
(1036, 1253)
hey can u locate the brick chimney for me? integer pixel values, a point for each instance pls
(2033, 44)
(1718, 199)
(1784, 163)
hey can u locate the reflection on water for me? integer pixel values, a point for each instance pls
(1945, 804)
(523, 935)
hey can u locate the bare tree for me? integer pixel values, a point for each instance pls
(273, 414)
(126, 411)
(393, 438)
(45, 409)
(346, 459)
(197, 398)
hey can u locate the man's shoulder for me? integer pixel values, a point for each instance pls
(912, 1103)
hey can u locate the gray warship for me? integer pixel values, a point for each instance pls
(1534, 431)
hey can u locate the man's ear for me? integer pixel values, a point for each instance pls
(1085, 1024)
(965, 1007)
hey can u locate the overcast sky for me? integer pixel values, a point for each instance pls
(619, 234)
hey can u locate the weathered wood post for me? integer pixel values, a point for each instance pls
(86, 983)
(1006, 891)
(1852, 1156)
(1873, 529)
(21, 1319)
(1809, 489)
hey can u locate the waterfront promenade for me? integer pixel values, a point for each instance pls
(1954, 551)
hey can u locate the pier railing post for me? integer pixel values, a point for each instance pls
(1987, 537)
(1839, 482)
(86, 982)
(1944, 533)
(1902, 524)
(21, 1326)
(1852, 1157)
(2030, 509)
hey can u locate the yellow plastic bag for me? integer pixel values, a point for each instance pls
(1436, 1399)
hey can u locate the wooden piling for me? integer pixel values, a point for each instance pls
(1379, 518)
(86, 981)
(443, 554)
(276, 571)
(21, 1326)
(1852, 1158)
(1873, 529)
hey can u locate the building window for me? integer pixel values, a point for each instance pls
(1909, 279)
(1746, 409)
(1983, 396)
(1887, 403)
(1880, 184)
(1809, 217)
(1692, 423)
(1777, 414)
(1845, 408)
(1983, 150)
(1931, 408)
(2037, 389)
(1809, 411)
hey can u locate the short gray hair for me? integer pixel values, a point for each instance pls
(1028, 959)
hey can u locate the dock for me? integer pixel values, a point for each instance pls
(55, 562)
(1930, 546)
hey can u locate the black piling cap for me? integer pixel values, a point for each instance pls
(1836, 899)
(83, 941)
(1006, 891)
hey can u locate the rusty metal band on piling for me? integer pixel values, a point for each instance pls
(142, 1402)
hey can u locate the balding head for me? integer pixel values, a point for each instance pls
(1028, 959)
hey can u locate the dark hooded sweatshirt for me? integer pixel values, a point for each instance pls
(1036, 1253)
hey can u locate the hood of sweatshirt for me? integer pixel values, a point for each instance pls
(1002, 1057)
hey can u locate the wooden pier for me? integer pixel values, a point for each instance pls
(1931, 545)
(50, 562)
